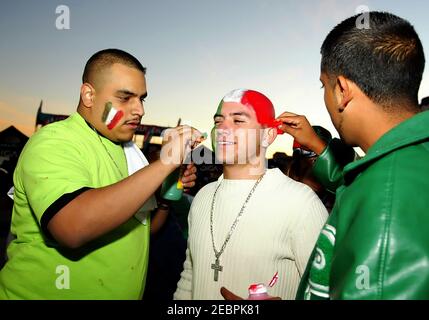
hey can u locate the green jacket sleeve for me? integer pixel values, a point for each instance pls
(328, 168)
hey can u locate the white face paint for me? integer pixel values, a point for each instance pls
(111, 115)
(234, 96)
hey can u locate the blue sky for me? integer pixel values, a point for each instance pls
(195, 52)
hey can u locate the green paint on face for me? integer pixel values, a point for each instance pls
(219, 107)
(213, 137)
(107, 107)
(213, 132)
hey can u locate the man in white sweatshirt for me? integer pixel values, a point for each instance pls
(253, 222)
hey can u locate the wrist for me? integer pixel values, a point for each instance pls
(164, 205)
(167, 167)
(318, 146)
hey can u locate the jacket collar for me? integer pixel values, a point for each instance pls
(408, 132)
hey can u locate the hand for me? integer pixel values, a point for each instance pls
(299, 128)
(228, 295)
(177, 144)
(189, 177)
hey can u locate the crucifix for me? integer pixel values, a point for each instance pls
(216, 267)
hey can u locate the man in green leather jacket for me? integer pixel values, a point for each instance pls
(375, 244)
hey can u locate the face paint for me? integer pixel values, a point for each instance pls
(263, 107)
(213, 137)
(111, 116)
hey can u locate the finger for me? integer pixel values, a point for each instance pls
(188, 185)
(189, 178)
(287, 114)
(228, 295)
(192, 136)
(188, 172)
(181, 130)
(288, 129)
(190, 169)
(195, 133)
(295, 120)
(197, 138)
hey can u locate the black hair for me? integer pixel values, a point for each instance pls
(424, 102)
(385, 60)
(106, 58)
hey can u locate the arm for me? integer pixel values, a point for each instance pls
(331, 158)
(97, 211)
(93, 212)
(159, 217)
(307, 230)
(299, 128)
(328, 168)
(184, 286)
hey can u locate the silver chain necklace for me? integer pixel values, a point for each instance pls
(216, 266)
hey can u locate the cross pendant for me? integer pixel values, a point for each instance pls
(216, 267)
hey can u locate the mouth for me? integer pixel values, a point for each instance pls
(225, 143)
(133, 123)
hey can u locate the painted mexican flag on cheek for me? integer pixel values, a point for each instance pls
(111, 115)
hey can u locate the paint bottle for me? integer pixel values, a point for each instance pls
(258, 292)
(172, 187)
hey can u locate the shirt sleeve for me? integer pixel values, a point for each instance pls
(184, 286)
(52, 173)
(328, 168)
(307, 230)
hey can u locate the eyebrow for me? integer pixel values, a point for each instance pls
(245, 114)
(125, 92)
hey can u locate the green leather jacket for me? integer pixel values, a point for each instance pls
(375, 244)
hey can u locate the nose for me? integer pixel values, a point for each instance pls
(224, 125)
(138, 109)
(223, 133)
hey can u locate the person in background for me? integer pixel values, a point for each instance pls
(301, 168)
(167, 245)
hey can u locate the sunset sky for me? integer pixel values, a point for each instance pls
(195, 51)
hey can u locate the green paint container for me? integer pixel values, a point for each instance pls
(172, 187)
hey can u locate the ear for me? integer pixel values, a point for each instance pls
(343, 92)
(87, 95)
(268, 137)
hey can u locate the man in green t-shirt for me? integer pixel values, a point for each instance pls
(83, 191)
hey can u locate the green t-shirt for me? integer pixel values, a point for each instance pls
(56, 163)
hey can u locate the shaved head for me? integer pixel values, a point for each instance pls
(100, 63)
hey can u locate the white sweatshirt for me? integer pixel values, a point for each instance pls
(276, 233)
